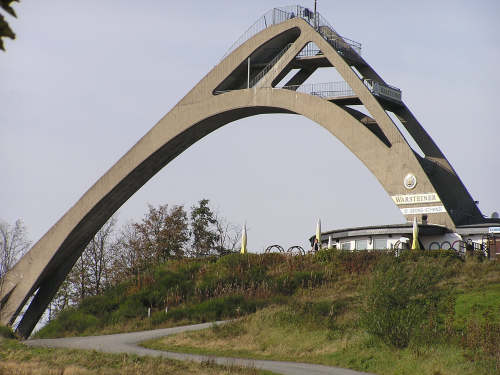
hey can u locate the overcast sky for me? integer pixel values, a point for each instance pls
(84, 80)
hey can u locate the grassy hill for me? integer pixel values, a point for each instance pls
(421, 312)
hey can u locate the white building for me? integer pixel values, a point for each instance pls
(480, 237)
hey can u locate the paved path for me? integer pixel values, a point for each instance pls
(128, 343)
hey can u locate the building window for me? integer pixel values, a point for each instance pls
(380, 243)
(345, 246)
(361, 244)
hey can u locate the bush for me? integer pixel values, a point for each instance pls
(399, 297)
(326, 255)
(131, 308)
(6, 332)
(69, 321)
(159, 317)
(99, 305)
(213, 309)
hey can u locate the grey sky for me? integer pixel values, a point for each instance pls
(85, 80)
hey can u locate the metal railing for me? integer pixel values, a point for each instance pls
(329, 33)
(276, 16)
(293, 250)
(327, 90)
(383, 90)
(331, 90)
(463, 248)
(269, 66)
(272, 17)
(343, 48)
(311, 49)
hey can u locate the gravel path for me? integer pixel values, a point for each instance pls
(128, 343)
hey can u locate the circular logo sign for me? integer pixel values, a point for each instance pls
(410, 181)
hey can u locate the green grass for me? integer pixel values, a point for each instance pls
(482, 304)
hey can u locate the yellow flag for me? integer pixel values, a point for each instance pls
(415, 244)
(318, 233)
(244, 240)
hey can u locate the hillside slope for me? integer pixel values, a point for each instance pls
(365, 310)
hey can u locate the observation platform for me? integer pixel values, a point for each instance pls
(307, 60)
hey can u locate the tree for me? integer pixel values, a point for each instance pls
(91, 272)
(98, 254)
(5, 30)
(13, 244)
(228, 235)
(61, 300)
(128, 257)
(79, 280)
(163, 233)
(203, 229)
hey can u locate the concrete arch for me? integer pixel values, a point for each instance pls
(201, 111)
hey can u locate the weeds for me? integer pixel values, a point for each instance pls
(231, 329)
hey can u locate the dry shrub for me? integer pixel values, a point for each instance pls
(359, 262)
(483, 340)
